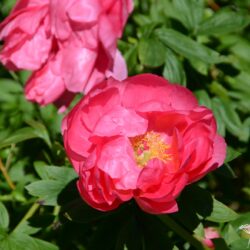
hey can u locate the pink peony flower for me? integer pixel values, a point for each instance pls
(70, 44)
(26, 35)
(142, 138)
(210, 233)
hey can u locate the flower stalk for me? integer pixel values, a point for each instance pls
(28, 215)
(183, 233)
(6, 175)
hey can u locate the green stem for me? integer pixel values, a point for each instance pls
(28, 215)
(181, 231)
(56, 210)
(213, 5)
(6, 175)
(9, 158)
(7, 197)
(15, 76)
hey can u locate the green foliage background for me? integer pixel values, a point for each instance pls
(204, 45)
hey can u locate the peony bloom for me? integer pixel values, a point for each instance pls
(209, 234)
(142, 138)
(69, 44)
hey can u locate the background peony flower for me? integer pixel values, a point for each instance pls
(27, 40)
(209, 234)
(143, 138)
(70, 43)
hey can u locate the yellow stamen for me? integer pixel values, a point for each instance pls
(150, 146)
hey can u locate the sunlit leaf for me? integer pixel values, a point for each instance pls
(221, 213)
(224, 21)
(4, 216)
(56, 179)
(187, 47)
(151, 52)
(173, 69)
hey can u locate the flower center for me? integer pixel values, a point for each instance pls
(150, 146)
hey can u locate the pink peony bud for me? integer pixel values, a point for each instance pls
(210, 233)
(142, 138)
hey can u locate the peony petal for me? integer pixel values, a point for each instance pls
(77, 67)
(98, 105)
(27, 44)
(121, 121)
(219, 153)
(76, 138)
(89, 188)
(117, 160)
(20, 20)
(151, 88)
(60, 27)
(26, 55)
(119, 71)
(153, 207)
(44, 86)
(84, 13)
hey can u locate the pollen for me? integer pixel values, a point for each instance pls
(150, 146)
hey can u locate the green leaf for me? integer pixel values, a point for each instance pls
(24, 75)
(4, 216)
(142, 20)
(151, 52)
(240, 49)
(61, 174)
(26, 133)
(203, 98)
(200, 66)
(199, 230)
(189, 12)
(224, 21)
(231, 154)
(240, 244)
(221, 213)
(49, 189)
(241, 220)
(25, 228)
(51, 119)
(226, 171)
(219, 90)
(20, 241)
(7, 6)
(41, 170)
(246, 190)
(173, 69)
(19, 135)
(221, 127)
(130, 56)
(44, 245)
(8, 89)
(230, 234)
(3, 235)
(40, 130)
(187, 47)
(231, 119)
